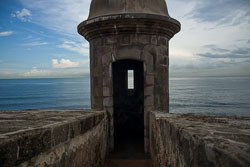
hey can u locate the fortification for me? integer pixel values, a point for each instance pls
(129, 79)
(129, 37)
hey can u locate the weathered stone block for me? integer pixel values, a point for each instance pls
(109, 40)
(154, 40)
(107, 92)
(97, 90)
(144, 39)
(108, 101)
(110, 112)
(148, 59)
(149, 90)
(156, 101)
(106, 73)
(162, 41)
(158, 90)
(107, 81)
(161, 79)
(149, 80)
(99, 118)
(97, 71)
(60, 134)
(106, 60)
(74, 129)
(97, 102)
(148, 100)
(96, 59)
(165, 61)
(86, 124)
(148, 108)
(9, 153)
(162, 69)
(32, 144)
(99, 42)
(134, 39)
(124, 39)
(130, 52)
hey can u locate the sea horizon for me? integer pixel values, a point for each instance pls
(203, 95)
(88, 75)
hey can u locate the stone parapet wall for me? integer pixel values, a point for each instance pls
(199, 140)
(53, 138)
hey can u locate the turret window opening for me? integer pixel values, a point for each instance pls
(131, 82)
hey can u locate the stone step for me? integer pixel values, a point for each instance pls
(128, 163)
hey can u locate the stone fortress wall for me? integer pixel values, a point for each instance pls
(190, 140)
(53, 138)
(79, 138)
(126, 32)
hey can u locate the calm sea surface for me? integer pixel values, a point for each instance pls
(187, 95)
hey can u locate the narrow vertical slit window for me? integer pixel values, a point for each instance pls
(131, 79)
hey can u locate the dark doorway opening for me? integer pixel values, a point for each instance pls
(128, 95)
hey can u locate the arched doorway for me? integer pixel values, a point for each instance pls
(128, 96)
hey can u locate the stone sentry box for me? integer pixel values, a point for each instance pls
(129, 35)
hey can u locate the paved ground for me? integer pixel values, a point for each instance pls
(128, 160)
(128, 163)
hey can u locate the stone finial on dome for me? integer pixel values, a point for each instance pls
(112, 7)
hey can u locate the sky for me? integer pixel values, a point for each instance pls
(39, 39)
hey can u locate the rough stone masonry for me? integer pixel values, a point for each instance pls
(50, 138)
(192, 140)
(125, 35)
(79, 138)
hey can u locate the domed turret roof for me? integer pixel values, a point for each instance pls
(112, 7)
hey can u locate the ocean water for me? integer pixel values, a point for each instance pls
(187, 95)
(212, 95)
(20, 94)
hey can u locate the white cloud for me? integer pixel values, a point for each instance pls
(60, 15)
(6, 33)
(62, 55)
(6, 72)
(200, 27)
(181, 53)
(24, 15)
(35, 72)
(64, 63)
(35, 44)
(81, 49)
(203, 22)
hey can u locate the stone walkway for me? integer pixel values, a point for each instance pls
(131, 160)
(128, 163)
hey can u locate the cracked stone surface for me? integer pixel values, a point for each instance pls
(53, 138)
(200, 140)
